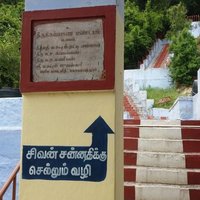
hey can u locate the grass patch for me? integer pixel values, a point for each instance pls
(163, 98)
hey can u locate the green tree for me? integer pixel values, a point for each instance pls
(186, 58)
(10, 34)
(160, 5)
(178, 19)
(147, 19)
(136, 37)
(140, 3)
(10, 1)
(141, 28)
(193, 6)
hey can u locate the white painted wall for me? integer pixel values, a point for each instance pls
(10, 137)
(196, 107)
(160, 112)
(195, 29)
(196, 101)
(174, 112)
(31, 5)
(198, 75)
(58, 4)
(152, 77)
(10, 113)
(9, 157)
(182, 109)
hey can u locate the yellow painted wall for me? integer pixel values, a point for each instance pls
(60, 119)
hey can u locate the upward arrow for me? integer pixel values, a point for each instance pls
(100, 130)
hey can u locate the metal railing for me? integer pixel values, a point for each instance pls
(194, 18)
(11, 180)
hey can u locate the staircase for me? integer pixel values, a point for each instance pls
(161, 160)
(161, 59)
(130, 108)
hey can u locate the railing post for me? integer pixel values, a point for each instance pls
(1, 195)
(14, 189)
(11, 179)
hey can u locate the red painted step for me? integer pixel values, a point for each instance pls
(131, 144)
(194, 194)
(190, 146)
(129, 175)
(129, 193)
(192, 161)
(131, 122)
(132, 132)
(130, 158)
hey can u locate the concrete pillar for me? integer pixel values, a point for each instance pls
(66, 152)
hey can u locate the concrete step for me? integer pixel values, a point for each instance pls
(137, 191)
(169, 133)
(160, 133)
(164, 132)
(154, 129)
(161, 122)
(154, 159)
(154, 145)
(158, 159)
(162, 175)
(162, 145)
(162, 160)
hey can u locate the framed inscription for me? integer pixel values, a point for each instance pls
(70, 49)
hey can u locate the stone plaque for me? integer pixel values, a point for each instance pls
(68, 51)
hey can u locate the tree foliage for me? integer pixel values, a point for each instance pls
(193, 6)
(177, 19)
(141, 28)
(144, 21)
(186, 58)
(10, 34)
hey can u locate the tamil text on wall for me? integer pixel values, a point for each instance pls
(68, 51)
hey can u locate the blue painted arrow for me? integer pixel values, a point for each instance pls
(100, 130)
(69, 162)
